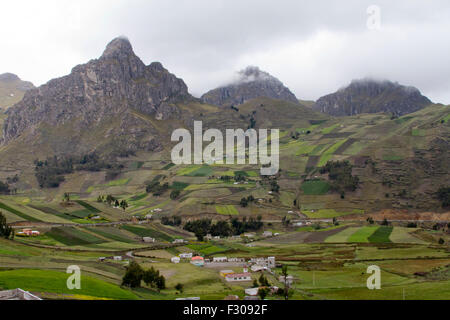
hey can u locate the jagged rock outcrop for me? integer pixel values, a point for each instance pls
(12, 89)
(117, 85)
(251, 83)
(372, 96)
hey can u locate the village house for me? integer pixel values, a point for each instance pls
(289, 280)
(28, 232)
(268, 262)
(148, 239)
(17, 294)
(198, 261)
(175, 260)
(238, 277)
(117, 258)
(236, 260)
(220, 259)
(101, 259)
(179, 241)
(267, 234)
(224, 273)
(186, 255)
(251, 291)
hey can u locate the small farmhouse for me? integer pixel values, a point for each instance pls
(220, 259)
(148, 239)
(224, 273)
(238, 277)
(198, 261)
(175, 260)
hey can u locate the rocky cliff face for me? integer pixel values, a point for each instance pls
(370, 96)
(12, 89)
(110, 88)
(250, 83)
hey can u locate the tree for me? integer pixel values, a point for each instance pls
(149, 276)
(284, 272)
(255, 283)
(385, 222)
(66, 196)
(244, 202)
(133, 276)
(6, 231)
(262, 292)
(179, 287)
(263, 281)
(370, 220)
(124, 204)
(443, 194)
(174, 194)
(110, 199)
(161, 282)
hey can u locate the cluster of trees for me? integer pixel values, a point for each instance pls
(202, 227)
(340, 174)
(111, 200)
(4, 188)
(50, 172)
(135, 275)
(444, 196)
(238, 177)
(6, 231)
(173, 221)
(175, 194)
(274, 187)
(156, 188)
(245, 201)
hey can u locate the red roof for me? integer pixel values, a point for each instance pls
(238, 275)
(197, 258)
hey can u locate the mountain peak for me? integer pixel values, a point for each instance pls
(371, 96)
(8, 77)
(118, 46)
(248, 84)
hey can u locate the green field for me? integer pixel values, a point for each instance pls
(381, 235)
(72, 236)
(49, 281)
(315, 187)
(227, 210)
(146, 232)
(362, 234)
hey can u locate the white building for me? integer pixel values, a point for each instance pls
(175, 260)
(289, 279)
(178, 241)
(117, 258)
(186, 255)
(148, 239)
(267, 234)
(238, 277)
(220, 259)
(251, 291)
(268, 262)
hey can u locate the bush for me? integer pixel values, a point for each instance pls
(411, 225)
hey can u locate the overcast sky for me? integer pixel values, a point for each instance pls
(313, 47)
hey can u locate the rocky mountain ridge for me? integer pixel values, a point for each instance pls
(372, 96)
(250, 83)
(105, 89)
